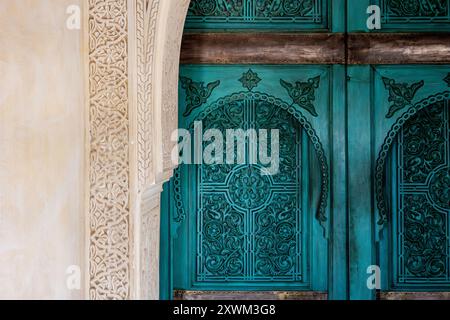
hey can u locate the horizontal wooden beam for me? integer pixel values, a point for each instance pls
(414, 296)
(317, 48)
(262, 48)
(249, 295)
(399, 48)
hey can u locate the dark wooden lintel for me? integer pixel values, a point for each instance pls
(249, 295)
(399, 48)
(414, 296)
(315, 48)
(262, 48)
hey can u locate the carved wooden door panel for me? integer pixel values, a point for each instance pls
(235, 228)
(398, 143)
(408, 139)
(229, 228)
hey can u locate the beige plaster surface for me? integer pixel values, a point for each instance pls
(42, 149)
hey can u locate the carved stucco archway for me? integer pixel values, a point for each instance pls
(134, 48)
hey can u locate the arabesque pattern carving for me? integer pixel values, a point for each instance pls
(109, 218)
(295, 14)
(170, 77)
(242, 208)
(232, 118)
(447, 79)
(303, 93)
(408, 12)
(415, 145)
(422, 197)
(196, 93)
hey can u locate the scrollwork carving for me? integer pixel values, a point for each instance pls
(234, 103)
(400, 94)
(421, 168)
(196, 93)
(303, 93)
(250, 80)
(109, 218)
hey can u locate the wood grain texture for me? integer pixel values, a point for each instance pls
(399, 48)
(262, 48)
(414, 296)
(318, 48)
(249, 295)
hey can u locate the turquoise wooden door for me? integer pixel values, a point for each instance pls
(399, 200)
(364, 163)
(398, 161)
(232, 227)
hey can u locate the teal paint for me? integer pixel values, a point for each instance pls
(338, 270)
(313, 252)
(401, 16)
(420, 204)
(300, 15)
(413, 197)
(352, 140)
(360, 157)
(338, 16)
(357, 15)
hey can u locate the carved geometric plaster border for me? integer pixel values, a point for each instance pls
(134, 49)
(109, 174)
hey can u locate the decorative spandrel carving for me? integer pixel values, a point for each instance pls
(250, 80)
(197, 93)
(400, 94)
(237, 201)
(303, 93)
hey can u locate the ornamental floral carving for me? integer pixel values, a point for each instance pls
(196, 93)
(250, 80)
(303, 93)
(400, 94)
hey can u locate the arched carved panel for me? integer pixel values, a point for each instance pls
(240, 208)
(380, 173)
(415, 14)
(296, 114)
(413, 171)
